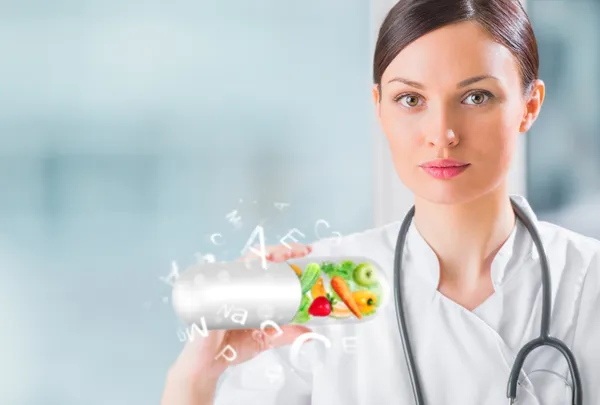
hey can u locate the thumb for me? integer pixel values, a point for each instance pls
(287, 335)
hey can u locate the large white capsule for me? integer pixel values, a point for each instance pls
(308, 290)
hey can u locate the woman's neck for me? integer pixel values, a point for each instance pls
(466, 237)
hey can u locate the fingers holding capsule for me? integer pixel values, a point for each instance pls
(280, 253)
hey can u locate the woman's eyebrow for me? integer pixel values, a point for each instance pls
(461, 84)
(475, 79)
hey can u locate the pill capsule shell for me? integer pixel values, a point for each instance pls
(237, 295)
(241, 295)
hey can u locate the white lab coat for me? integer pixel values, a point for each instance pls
(463, 357)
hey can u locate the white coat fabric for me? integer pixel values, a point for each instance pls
(463, 357)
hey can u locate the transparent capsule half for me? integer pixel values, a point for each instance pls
(309, 290)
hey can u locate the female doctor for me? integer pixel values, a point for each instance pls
(455, 85)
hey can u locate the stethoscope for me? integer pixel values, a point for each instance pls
(543, 340)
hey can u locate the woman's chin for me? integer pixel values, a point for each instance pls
(446, 193)
(461, 189)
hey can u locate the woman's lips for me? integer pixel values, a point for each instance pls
(445, 168)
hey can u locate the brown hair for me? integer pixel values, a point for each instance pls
(505, 20)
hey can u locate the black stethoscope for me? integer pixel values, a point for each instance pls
(543, 340)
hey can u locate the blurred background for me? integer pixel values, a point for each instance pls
(563, 147)
(138, 138)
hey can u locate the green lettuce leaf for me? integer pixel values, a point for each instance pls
(343, 269)
(301, 317)
(377, 290)
(347, 267)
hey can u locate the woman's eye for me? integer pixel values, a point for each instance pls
(475, 98)
(408, 100)
(478, 98)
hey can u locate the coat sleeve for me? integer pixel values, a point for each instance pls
(586, 346)
(267, 379)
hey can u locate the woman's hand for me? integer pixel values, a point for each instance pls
(193, 377)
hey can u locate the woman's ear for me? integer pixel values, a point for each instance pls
(377, 100)
(533, 105)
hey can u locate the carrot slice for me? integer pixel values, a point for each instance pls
(342, 289)
(296, 269)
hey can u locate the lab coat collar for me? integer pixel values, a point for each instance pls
(422, 260)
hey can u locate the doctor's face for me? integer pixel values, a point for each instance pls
(452, 107)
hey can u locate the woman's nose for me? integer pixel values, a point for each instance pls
(445, 138)
(439, 132)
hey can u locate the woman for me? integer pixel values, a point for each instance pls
(456, 84)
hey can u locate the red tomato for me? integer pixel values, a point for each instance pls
(320, 307)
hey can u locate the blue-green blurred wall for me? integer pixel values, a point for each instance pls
(129, 130)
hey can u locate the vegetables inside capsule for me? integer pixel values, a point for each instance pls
(344, 290)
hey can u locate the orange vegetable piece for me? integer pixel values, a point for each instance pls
(318, 290)
(366, 301)
(340, 310)
(297, 269)
(342, 289)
